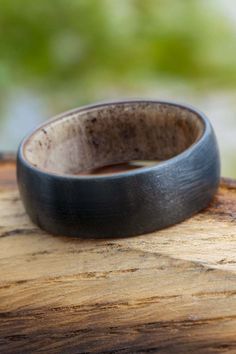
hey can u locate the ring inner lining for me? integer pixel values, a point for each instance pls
(112, 134)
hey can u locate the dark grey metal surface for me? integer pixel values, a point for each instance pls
(123, 204)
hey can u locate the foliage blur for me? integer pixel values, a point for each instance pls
(65, 53)
(77, 47)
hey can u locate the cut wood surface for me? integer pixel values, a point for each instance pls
(172, 291)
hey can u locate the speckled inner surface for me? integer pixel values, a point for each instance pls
(110, 134)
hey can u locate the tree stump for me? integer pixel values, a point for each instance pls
(172, 291)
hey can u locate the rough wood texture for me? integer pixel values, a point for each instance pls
(173, 291)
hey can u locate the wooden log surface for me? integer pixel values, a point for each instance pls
(172, 291)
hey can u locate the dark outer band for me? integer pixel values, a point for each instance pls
(123, 204)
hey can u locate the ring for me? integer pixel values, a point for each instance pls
(62, 196)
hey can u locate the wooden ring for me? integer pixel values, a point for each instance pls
(61, 200)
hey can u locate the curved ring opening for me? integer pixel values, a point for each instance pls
(111, 134)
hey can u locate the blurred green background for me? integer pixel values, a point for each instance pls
(56, 55)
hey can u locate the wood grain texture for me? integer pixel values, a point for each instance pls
(173, 291)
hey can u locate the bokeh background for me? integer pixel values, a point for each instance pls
(56, 55)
